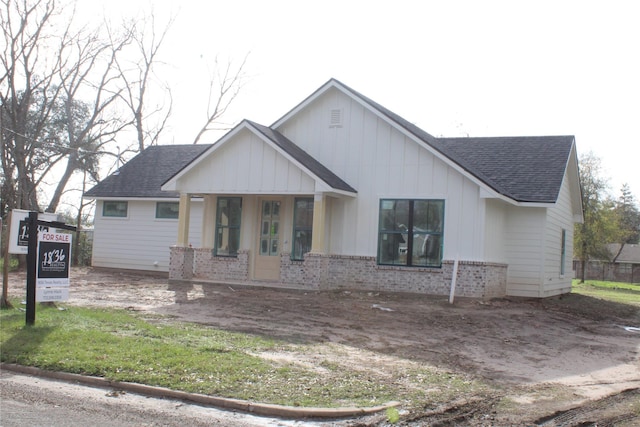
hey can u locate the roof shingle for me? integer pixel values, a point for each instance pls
(523, 168)
(143, 175)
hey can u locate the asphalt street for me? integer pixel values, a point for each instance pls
(33, 401)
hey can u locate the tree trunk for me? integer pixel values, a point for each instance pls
(62, 183)
(615, 258)
(584, 261)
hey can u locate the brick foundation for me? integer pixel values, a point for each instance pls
(180, 263)
(475, 279)
(209, 267)
(330, 272)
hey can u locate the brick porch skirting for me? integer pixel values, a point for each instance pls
(330, 272)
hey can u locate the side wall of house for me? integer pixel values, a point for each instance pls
(524, 243)
(557, 280)
(495, 230)
(380, 162)
(140, 240)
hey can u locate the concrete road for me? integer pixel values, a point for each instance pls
(31, 401)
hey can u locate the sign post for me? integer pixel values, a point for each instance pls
(32, 248)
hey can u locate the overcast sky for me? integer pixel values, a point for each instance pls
(454, 68)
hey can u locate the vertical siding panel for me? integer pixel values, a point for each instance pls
(281, 173)
(453, 214)
(268, 169)
(382, 154)
(243, 173)
(411, 169)
(472, 222)
(494, 239)
(425, 172)
(355, 156)
(255, 163)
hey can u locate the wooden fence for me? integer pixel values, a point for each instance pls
(612, 272)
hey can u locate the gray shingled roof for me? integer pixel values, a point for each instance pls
(630, 253)
(143, 175)
(523, 168)
(304, 158)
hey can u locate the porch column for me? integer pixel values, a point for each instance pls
(209, 221)
(319, 211)
(183, 220)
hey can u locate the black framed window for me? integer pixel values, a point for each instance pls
(114, 209)
(167, 210)
(228, 213)
(411, 232)
(302, 227)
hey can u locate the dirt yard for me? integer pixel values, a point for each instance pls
(561, 361)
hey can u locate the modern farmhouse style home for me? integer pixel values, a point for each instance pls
(341, 193)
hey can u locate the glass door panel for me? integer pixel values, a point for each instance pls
(270, 229)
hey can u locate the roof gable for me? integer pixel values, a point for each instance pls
(307, 161)
(143, 175)
(323, 177)
(526, 169)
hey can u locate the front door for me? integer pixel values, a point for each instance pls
(267, 265)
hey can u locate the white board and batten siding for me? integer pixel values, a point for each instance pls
(246, 165)
(118, 241)
(380, 161)
(495, 231)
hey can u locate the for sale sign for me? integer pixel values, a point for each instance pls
(19, 229)
(54, 257)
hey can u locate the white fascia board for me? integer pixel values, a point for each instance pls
(323, 188)
(139, 199)
(534, 204)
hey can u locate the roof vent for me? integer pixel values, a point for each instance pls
(335, 118)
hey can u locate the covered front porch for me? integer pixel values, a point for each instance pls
(264, 239)
(281, 241)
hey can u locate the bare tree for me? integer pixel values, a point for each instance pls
(138, 76)
(28, 94)
(224, 86)
(59, 95)
(89, 78)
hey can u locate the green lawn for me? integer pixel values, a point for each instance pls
(124, 346)
(626, 293)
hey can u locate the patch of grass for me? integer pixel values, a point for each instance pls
(392, 415)
(13, 263)
(124, 346)
(625, 293)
